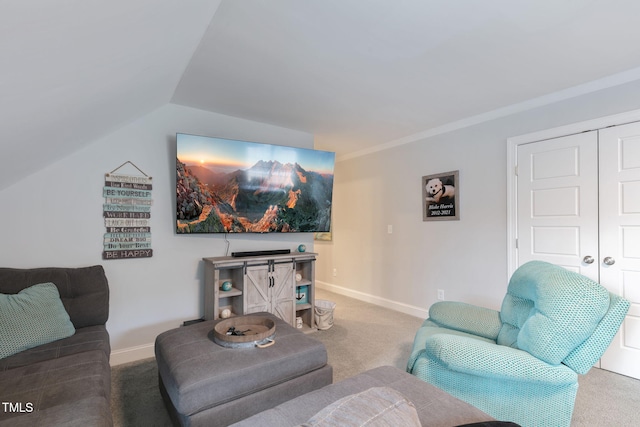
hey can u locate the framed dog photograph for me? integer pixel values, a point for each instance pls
(440, 197)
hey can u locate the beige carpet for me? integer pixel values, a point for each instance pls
(365, 336)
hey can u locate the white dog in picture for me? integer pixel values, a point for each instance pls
(436, 190)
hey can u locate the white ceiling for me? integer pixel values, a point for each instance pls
(355, 73)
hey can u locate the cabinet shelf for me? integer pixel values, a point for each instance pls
(233, 292)
(303, 306)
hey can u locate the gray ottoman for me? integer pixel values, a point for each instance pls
(204, 384)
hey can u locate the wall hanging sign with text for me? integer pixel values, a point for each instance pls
(127, 216)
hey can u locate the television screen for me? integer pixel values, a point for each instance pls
(230, 186)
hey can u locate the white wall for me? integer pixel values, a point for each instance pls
(465, 258)
(54, 218)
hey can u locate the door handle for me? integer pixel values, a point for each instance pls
(588, 259)
(609, 261)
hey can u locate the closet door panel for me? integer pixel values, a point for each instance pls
(558, 202)
(620, 238)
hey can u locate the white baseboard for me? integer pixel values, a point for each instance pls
(145, 351)
(132, 354)
(412, 310)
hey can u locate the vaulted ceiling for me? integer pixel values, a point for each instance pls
(355, 73)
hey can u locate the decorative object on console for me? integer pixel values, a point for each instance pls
(127, 213)
(225, 313)
(440, 197)
(302, 296)
(230, 186)
(302, 248)
(226, 286)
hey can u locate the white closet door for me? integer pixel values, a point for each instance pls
(558, 202)
(620, 238)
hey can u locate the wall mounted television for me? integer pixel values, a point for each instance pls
(232, 186)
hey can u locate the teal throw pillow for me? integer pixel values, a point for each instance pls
(32, 317)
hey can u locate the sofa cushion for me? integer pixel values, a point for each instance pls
(377, 406)
(72, 391)
(32, 317)
(435, 407)
(548, 311)
(85, 339)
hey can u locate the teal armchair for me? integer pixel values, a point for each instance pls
(521, 363)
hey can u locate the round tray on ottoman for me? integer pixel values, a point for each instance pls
(245, 331)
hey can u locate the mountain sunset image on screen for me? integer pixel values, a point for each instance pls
(232, 186)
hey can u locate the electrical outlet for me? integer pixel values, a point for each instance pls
(441, 294)
(335, 272)
(390, 229)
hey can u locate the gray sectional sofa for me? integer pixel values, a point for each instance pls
(66, 382)
(365, 398)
